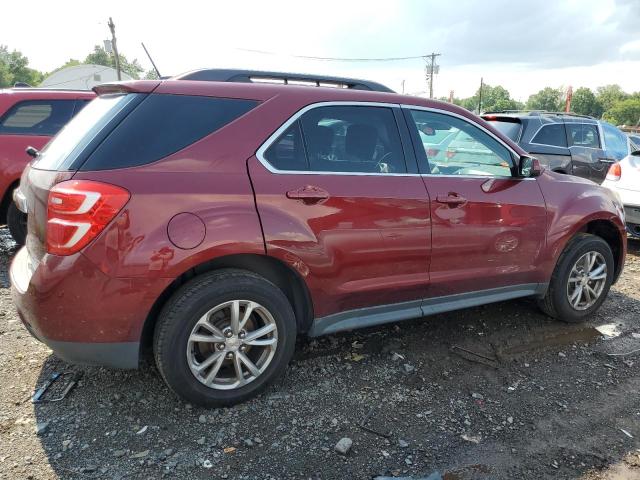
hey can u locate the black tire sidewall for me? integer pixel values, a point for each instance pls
(583, 245)
(189, 304)
(14, 221)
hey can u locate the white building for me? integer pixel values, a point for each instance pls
(81, 77)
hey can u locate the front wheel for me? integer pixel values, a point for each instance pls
(581, 279)
(223, 337)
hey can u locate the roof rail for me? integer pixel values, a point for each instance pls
(540, 112)
(255, 76)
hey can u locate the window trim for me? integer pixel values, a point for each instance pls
(283, 128)
(566, 139)
(515, 155)
(598, 129)
(280, 130)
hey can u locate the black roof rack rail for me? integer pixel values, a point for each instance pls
(539, 112)
(256, 76)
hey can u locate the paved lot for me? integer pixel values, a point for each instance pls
(544, 400)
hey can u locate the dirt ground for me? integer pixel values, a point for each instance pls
(495, 392)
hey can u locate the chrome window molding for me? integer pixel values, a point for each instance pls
(275, 135)
(466, 119)
(260, 153)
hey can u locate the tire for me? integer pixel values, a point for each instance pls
(557, 302)
(206, 302)
(17, 223)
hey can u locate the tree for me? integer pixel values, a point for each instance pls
(609, 95)
(99, 56)
(584, 102)
(550, 99)
(493, 99)
(151, 75)
(624, 112)
(14, 68)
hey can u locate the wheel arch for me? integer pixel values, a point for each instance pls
(272, 269)
(610, 233)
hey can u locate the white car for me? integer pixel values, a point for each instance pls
(624, 178)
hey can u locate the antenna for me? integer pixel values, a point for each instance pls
(151, 60)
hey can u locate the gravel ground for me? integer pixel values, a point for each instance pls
(543, 400)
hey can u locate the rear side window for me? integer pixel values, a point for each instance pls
(552, 134)
(583, 135)
(340, 139)
(510, 130)
(162, 125)
(37, 117)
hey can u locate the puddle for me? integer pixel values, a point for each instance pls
(468, 472)
(539, 340)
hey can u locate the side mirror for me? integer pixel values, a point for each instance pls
(636, 153)
(32, 152)
(529, 167)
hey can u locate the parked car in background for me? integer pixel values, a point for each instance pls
(29, 117)
(565, 142)
(624, 179)
(216, 221)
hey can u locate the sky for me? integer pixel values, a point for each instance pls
(523, 45)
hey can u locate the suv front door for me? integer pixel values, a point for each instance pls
(488, 225)
(342, 203)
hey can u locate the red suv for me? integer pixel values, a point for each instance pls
(218, 220)
(29, 117)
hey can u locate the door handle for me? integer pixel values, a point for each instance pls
(452, 199)
(607, 160)
(308, 194)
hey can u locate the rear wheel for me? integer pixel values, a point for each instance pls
(17, 223)
(581, 279)
(223, 337)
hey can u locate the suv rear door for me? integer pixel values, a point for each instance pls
(341, 201)
(546, 139)
(587, 155)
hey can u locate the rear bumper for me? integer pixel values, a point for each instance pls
(83, 315)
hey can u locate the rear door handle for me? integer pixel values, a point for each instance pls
(308, 194)
(607, 160)
(451, 199)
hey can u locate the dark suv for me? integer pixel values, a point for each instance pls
(216, 221)
(564, 142)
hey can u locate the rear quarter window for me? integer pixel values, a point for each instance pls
(552, 134)
(162, 125)
(37, 117)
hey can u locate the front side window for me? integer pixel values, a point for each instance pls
(615, 141)
(583, 135)
(340, 139)
(37, 117)
(465, 149)
(552, 134)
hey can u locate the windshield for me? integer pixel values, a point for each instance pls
(63, 149)
(508, 129)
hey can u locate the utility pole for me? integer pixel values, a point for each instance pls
(112, 27)
(480, 97)
(431, 70)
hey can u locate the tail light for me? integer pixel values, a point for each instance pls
(450, 154)
(615, 172)
(78, 210)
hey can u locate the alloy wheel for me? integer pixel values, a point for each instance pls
(587, 280)
(232, 344)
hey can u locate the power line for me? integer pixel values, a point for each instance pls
(335, 59)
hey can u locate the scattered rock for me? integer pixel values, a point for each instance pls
(477, 396)
(142, 454)
(142, 430)
(119, 453)
(42, 428)
(471, 438)
(201, 441)
(343, 446)
(408, 368)
(403, 443)
(202, 419)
